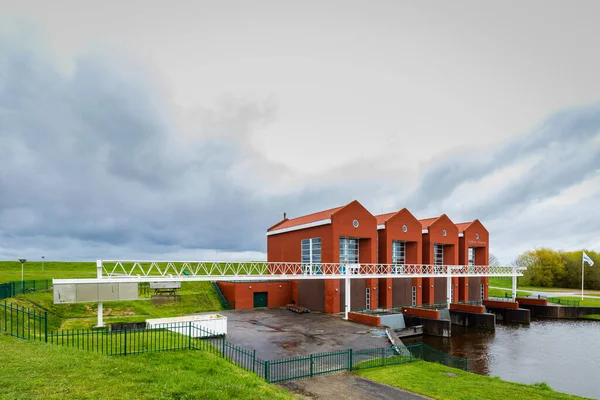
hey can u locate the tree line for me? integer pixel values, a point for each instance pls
(554, 268)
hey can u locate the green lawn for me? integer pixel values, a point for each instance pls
(592, 316)
(33, 370)
(586, 302)
(11, 270)
(505, 293)
(507, 283)
(430, 379)
(196, 297)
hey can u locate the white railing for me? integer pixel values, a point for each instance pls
(181, 269)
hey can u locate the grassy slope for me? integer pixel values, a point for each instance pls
(195, 297)
(200, 297)
(504, 293)
(592, 316)
(429, 379)
(507, 283)
(33, 370)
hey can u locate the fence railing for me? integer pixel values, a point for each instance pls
(224, 303)
(563, 302)
(11, 289)
(33, 325)
(24, 323)
(398, 309)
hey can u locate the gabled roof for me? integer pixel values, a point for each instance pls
(426, 223)
(305, 219)
(384, 217)
(462, 226)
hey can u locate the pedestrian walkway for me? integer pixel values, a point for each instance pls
(346, 386)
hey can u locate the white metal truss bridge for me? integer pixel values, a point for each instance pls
(136, 271)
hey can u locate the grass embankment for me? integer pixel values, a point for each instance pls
(592, 316)
(195, 297)
(586, 302)
(32, 370)
(432, 380)
(507, 283)
(11, 270)
(504, 293)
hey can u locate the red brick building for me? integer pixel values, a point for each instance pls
(350, 234)
(400, 242)
(345, 234)
(473, 248)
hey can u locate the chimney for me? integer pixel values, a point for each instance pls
(284, 216)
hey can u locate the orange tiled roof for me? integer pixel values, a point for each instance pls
(306, 219)
(384, 217)
(462, 226)
(425, 223)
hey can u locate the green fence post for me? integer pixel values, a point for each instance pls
(267, 378)
(311, 365)
(349, 359)
(223, 345)
(382, 357)
(254, 361)
(125, 341)
(46, 326)
(190, 335)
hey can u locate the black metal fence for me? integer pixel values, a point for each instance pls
(11, 289)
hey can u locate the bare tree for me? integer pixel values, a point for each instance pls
(493, 261)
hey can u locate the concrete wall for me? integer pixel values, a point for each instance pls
(421, 312)
(473, 320)
(434, 327)
(372, 320)
(560, 312)
(394, 321)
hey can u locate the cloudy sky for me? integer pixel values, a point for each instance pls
(145, 129)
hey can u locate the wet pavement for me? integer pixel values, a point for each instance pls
(345, 386)
(277, 333)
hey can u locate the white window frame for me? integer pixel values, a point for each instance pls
(399, 255)
(313, 245)
(347, 240)
(471, 256)
(436, 257)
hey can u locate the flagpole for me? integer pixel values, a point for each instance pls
(582, 276)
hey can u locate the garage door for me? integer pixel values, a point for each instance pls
(260, 299)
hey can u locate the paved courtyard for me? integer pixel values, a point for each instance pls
(276, 333)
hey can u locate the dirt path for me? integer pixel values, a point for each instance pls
(345, 386)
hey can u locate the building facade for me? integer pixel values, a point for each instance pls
(350, 234)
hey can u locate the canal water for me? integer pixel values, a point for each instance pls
(565, 354)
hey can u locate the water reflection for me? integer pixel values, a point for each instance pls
(564, 354)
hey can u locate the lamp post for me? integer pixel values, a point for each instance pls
(22, 260)
(43, 263)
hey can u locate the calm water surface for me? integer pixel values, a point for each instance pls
(564, 354)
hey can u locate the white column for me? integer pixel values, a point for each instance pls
(100, 321)
(347, 296)
(514, 283)
(99, 276)
(448, 286)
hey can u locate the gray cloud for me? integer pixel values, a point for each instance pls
(96, 165)
(569, 156)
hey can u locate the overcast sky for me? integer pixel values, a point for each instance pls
(155, 129)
